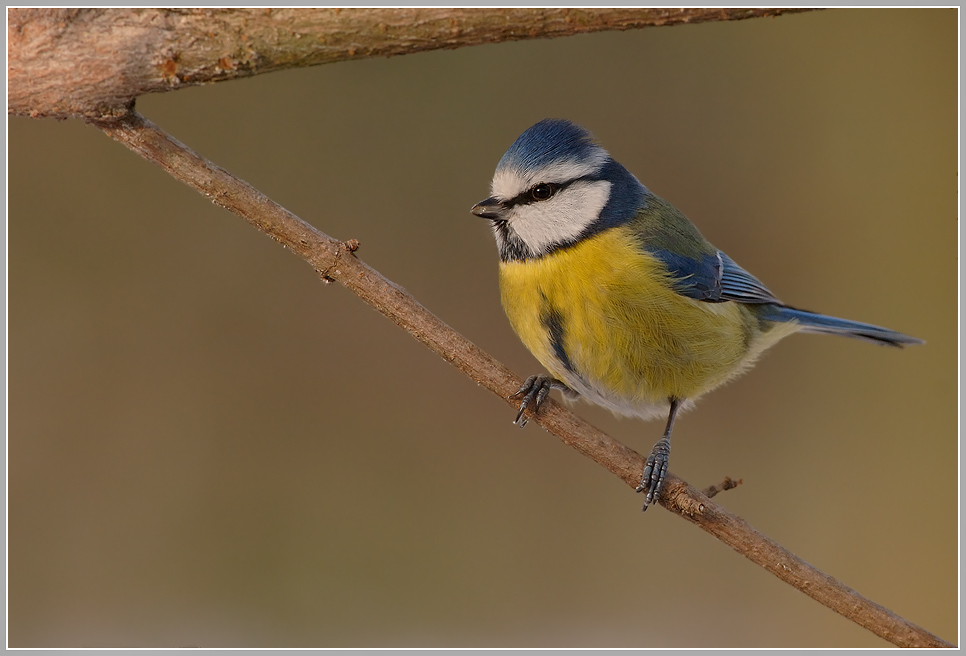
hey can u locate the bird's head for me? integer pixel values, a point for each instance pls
(553, 187)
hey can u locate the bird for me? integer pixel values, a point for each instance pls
(619, 296)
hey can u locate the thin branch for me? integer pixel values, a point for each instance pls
(727, 484)
(93, 63)
(335, 260)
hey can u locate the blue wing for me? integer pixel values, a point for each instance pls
(714, 279)
(739, 285)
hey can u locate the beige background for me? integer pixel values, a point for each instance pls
(208, 447)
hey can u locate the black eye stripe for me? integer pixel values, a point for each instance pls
(525, 197)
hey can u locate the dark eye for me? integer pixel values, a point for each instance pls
(543, 191)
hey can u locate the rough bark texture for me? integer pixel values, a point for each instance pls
(93, 63)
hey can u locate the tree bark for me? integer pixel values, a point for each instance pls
(93, 63)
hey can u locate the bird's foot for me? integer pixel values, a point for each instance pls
(533, 392)
(655, 469)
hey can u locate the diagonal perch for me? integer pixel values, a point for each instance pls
(327, 256)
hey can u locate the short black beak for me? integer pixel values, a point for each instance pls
(488, 209)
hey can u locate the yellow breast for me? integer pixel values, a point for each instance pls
(602, 317)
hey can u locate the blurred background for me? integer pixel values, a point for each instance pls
(208, 447)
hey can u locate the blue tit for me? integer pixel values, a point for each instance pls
(618, 295)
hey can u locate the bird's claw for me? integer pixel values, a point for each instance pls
(533, 392)
(655, 470)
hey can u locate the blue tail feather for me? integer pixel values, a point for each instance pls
(820, 323)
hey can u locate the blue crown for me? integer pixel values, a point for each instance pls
(550, 140)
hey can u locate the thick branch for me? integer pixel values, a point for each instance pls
(335, 261)
(93, 63)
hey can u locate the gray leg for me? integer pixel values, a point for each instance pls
(652, 481)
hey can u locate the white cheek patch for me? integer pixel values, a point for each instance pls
(561, 218)
(510, 182)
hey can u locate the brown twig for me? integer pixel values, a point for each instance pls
(727, 484)
(94, 62)
(335, 260)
